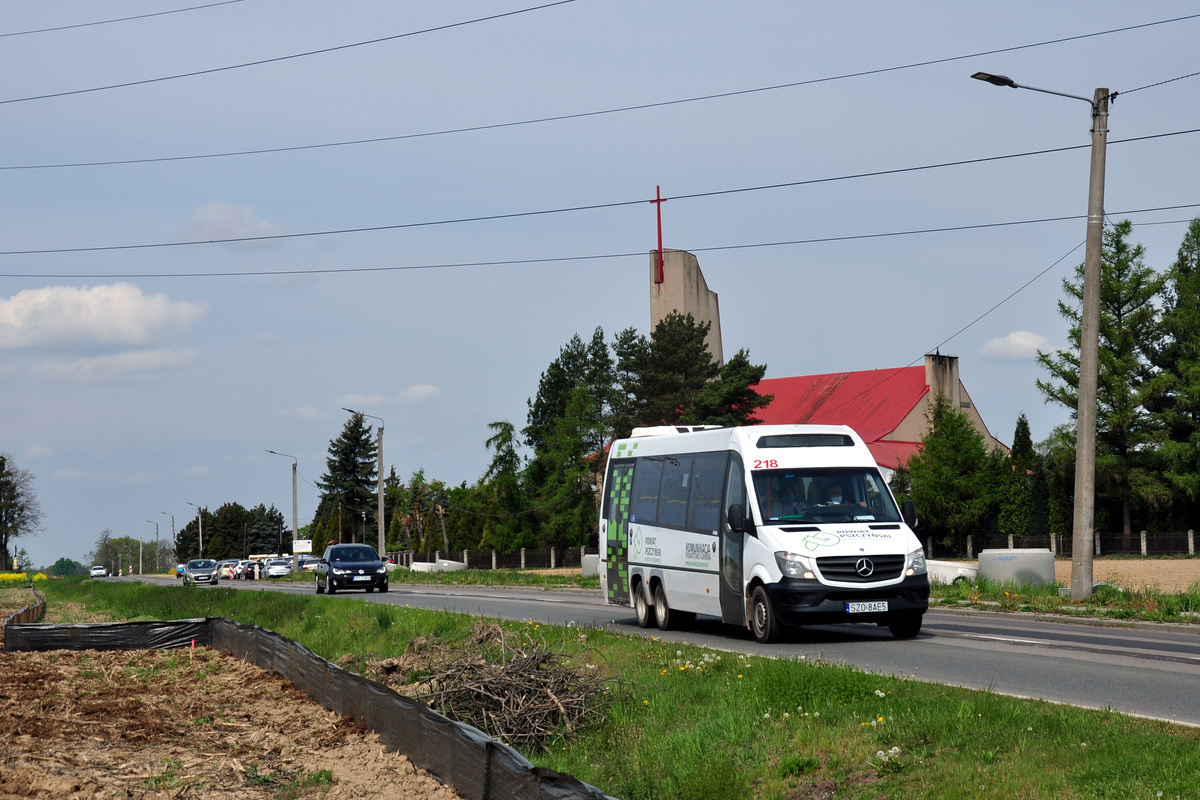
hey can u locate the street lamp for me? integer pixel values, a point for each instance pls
(200, 520)
(172, 516)
(1089, 340)
(155, 524)
(295, 529)
(382, 534)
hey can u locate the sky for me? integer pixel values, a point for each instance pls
(853, 197)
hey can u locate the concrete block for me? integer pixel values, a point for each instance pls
(1032, 565)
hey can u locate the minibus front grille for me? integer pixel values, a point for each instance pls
(861, 569)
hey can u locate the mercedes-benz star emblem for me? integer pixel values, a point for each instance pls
(864, 567)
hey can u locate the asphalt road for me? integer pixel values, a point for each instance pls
(1149, 670)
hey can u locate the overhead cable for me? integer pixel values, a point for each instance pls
(569, 209)
(562, 117)
(119, 19)
(592, 257)
(277, 59)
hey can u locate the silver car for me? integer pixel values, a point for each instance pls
(201, 572)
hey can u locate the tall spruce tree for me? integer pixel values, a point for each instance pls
(349, 482)
(1175, 390)
(1125, 432)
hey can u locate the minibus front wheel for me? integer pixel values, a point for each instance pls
(763, 620)
(905, 624)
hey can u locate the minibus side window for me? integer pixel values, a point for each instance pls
(646, 477)
(704, 503)
(673, 494)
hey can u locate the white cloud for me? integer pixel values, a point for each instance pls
(420, 393)
(217, 221)
(115, 314)
(304, 412)
(37, 451)
(132, 363)
(1016, 345)
(360, 400)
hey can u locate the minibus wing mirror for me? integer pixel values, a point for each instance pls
(738, 521)
(909, 512)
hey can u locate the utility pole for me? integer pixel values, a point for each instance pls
(155, 524)
(200, 520)
(1089, 340)
(172, 516)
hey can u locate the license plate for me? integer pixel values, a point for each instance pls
(367, 578)
(867, 608)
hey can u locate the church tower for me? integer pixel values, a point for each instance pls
(677, 284)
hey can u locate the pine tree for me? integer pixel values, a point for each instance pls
(349, 482)
(1175, 391)
(952, 478)
(1129, 329)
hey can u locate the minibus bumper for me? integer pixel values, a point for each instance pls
(804, 602)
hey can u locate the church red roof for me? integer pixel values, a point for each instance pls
(873, 403)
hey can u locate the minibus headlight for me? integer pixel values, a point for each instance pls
(916, 562)
(794, 565)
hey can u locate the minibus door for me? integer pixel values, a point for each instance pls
(733, 606)
(617, 509)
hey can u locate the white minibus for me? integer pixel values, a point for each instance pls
(761, 526)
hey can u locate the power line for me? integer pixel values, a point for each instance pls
(119, 19)
(277, 59)
(572, 209)
(568, 259)
(563, 117)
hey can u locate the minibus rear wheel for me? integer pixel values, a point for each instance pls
(645, 614)
(662, 611)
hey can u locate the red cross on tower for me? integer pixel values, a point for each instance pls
(658, 201)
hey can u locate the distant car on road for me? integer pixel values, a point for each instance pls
(350, 566)
(201, 572)
(99, 572)
(279, 567)
(225, 568)
(179, 570)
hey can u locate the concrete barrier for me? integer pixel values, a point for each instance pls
(1033, 565)
(950, 571)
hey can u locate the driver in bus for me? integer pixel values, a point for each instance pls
(785, 503)
(834, 497)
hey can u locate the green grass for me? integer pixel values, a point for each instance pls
(1106, 602)
(483, 577)
(700, 723)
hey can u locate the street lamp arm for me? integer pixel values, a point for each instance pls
(1004, 80)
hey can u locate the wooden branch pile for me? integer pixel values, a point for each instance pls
(523, 695)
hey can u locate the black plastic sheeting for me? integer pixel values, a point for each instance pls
(30, 613)
(475, 765)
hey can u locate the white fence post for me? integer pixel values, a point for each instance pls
(493, 559)
(465, 557)
(1097, 542)
(1191, 543)
(1143, 543)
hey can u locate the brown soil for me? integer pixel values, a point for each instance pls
(181, 724)
(1168, 575)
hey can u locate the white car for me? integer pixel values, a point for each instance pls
(99, 572)
(279, 567)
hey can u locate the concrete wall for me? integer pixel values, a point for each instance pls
(683, 289)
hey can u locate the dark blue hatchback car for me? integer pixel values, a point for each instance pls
(350, 566)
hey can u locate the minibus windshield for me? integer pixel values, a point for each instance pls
(823, 495)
